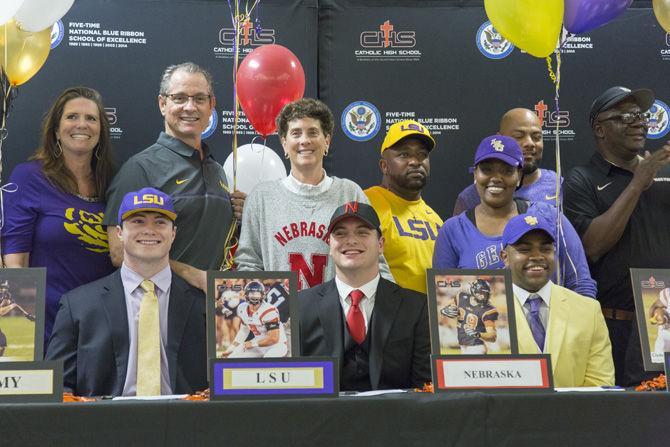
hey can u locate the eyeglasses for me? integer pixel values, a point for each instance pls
(181, 98)
(630, 118)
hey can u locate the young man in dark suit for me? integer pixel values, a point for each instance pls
(377, 330)
(140, 330)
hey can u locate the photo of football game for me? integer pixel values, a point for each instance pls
(252, 317)
(469, 313)
(18, 302)
(651, 289)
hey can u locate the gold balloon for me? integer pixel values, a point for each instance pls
(22, 54)
(531, 25)
(662, 12)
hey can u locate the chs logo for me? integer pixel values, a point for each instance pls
(250, 36)
(387, 37)
(491, 43)
(211, 126)
(551, 119)
(361, 121)
(57, 33)
(653, 284)
(658, 124)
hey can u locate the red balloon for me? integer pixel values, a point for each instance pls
(270, 77)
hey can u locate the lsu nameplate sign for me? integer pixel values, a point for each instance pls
(277, 377)
(31, 382)
(492, 372)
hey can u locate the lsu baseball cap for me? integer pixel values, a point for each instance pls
(361, 211)
(614, 95)
(500, 147)
(519, 225)
(146, 199)
(404, 129)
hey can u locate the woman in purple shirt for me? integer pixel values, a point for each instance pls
(54, 219)
(473, 239)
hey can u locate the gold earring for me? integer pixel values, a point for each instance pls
(60, 148)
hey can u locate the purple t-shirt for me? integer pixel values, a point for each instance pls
(543, 190)
(60, 231)
(460, 245)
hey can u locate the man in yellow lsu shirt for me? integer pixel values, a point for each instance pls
(408, 224)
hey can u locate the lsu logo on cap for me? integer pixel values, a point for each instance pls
(413, 127)
(497, 145)
(148, 199)
(530, 220)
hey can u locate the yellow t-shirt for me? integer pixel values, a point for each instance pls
(409, 229)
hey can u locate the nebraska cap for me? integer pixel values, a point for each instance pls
(146, 199)
(404, 129)
(519, 225)
(361, 211)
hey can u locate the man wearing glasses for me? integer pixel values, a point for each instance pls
(181, 165)
(619, 203)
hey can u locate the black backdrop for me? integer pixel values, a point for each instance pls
(426, 65)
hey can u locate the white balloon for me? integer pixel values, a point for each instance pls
(8, 8)
(36, 15)
(255, 164)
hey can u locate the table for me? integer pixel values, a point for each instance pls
(414, 419)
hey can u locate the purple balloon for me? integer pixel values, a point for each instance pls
(584, 15)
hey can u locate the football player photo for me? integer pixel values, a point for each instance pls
(470, 312)
(21, 331)
(651, 291)
(250, 316)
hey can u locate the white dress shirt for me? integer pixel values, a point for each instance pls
(367, 303)
(134, 293)
(298, 187)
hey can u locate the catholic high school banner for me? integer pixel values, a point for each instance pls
(372, 62)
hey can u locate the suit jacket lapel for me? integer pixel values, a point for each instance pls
(328, 309)
(559, 312)
(113, 300)
(387, 302)
(181, 300)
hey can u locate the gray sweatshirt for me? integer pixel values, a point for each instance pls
(286, 230)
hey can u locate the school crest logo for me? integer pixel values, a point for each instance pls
(491, 43)
(361, 121)
(658, 123)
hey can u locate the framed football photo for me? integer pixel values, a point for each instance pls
(22, 314)
(651, 291)
(252, 315)
(471, 312)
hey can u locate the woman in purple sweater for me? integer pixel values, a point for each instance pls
(54, 219)
(473, 239)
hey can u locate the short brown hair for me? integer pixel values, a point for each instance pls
(50, 154)
(306, 108)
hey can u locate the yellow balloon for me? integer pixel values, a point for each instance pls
(532, 25)
(22, 54)
(662, 12)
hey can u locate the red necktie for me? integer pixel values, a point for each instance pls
(355, 318)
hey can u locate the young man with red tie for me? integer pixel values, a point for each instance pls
(377, 330)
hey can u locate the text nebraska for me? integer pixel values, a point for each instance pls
(486, 374)
(301, 229)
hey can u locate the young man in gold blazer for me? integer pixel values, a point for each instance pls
(551, 319)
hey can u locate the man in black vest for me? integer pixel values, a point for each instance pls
(377, 330)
